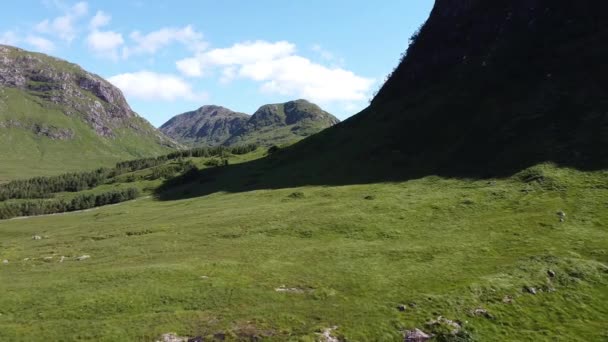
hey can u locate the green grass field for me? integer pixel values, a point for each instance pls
(342, 256)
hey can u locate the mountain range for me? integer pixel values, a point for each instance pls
(272, 124)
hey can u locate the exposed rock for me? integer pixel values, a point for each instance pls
(36, 237)
(416, 335)
(62, 258)
(326, 335)
(83, 257)
(5, 261)
(507, 299)
(551, 273)
(530, 290)
(47, 259)
(562, 216)
(453, 325)
(172, 337)
(401, 307)
(482, 312)
(283, 288)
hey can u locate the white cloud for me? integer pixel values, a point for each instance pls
(147, 85)
(63, 26)
(152, 42)
(40, 44)
(9, 38)
(99, 20)
(190, 67)
(281, 71)
(238, 54)
(105, 43)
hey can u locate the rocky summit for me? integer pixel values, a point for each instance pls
(272, 124)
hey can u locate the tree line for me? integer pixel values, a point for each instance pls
(199, 152)
(54, 206)
(45, 187)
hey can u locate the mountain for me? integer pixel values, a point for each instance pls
(56, 117)
(271, 124)
(485, 89)
(276, 124)
(206, 126)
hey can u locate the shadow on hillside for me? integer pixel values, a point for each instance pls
(286, 170)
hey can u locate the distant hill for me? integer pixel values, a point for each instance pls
(206, 126)
(56, 117)
(272, 124)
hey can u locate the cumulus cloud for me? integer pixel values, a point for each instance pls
(151, 42)
(147, 85)
(99, 20)
(64, 26)
(280, 71)
(103, 43)
(40, 44)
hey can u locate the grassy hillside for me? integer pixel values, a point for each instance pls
(56, 117)
(33, 155)
(287, 264)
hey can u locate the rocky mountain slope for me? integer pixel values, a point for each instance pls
(55, 116)
(206, 126)
(272, 124)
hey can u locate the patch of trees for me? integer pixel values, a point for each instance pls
(54, 206)
(44, 187)
(200, 152)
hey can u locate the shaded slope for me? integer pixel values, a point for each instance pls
(206, 126)
(486, 89)
(56, 117)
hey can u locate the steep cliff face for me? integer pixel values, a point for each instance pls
(55, 116)
(208, 126)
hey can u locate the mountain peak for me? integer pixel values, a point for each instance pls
(276, 123)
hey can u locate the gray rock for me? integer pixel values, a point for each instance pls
(401, 307)
(5, 261)
(551, 273)
(416, 335)
(36, 237)
(83, 257)
(531, 290)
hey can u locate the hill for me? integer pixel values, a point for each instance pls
(56, 117)
(206, 126)
(272, 124)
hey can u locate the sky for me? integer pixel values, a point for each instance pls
(170, 57)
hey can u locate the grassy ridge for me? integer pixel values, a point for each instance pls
(207, 265)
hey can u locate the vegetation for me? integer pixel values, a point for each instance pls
(211, 265)
(54, 206)
(44, 187)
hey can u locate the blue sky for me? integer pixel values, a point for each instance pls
(169, 57)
